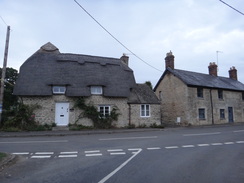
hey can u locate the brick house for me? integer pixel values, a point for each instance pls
(199, 99)
(55, 80)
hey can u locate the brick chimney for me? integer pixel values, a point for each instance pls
(125, 59)
(170, 60)
(213, 69)
(233, 73)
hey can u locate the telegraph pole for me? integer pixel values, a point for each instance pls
(4, 71)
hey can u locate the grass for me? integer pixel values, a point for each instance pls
(2, 155)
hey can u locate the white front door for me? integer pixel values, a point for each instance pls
(62, 114)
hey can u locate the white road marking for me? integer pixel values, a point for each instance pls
(153, 148)
(40, 157)
(186, 146)
(118, 153)
(238, 131)
(131, 138)
(21, 153)
(94, 151)
(203, 145)
(28, 142)
(239, 142)
(216, 144)
(41, 153)
(98, 154)
(114, 150)
(199, 134)
(119, 168)
(68, 156)
(72, 152)
(172, 147)
(228, 143)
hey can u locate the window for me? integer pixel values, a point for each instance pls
(59, 89)
(200, 92)
(96, 90)
(243, 96)
(220, 94)
(145, 110)
(201, 113)
(222, 114)
(104, 111)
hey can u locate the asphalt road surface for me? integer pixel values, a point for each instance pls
(176, 155)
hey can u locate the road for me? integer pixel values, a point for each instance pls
(209, 154)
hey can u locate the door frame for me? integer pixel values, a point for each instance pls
(58, 113)
(230, 115)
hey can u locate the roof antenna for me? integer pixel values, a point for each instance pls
(217, 54)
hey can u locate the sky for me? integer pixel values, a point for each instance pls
(194, 30)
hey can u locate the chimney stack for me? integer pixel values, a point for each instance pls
(125, 59)
(169, 60)
(212, 68)
(233, 73)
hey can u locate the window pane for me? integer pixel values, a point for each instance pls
(59, 89)
(145, 110)
(96, 90)
(201, 113)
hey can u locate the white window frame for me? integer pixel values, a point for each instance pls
(103, 110)
(59, 89)
(96, 90)
(145, 110)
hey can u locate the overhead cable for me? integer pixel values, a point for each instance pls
(231, 7)
(115, 37)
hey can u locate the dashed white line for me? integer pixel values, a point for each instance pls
(131, 138)
(172, 147)
(40, 157)
(203, 145)
(187, 146)
(72, 152)
(94, 151)
(216, 144)
(229, 143)
(68, 156)
(98, 154)
(153, 148)
(114, 150)
(118, 153)
(21, 153)
(42, 153)
(238, 131)
(239, 142)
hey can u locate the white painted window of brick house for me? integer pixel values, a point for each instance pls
(145, 110)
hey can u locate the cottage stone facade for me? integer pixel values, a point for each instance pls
(221, 99)
(54, 81)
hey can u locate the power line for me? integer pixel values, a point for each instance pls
(231, 7)
(115, 37)
(3, 20)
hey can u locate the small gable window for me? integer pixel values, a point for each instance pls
(59, 89)
(220, 94)
(200, 92)
(145, 110)
(96, 90)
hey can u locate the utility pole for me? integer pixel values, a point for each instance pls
(4, 71)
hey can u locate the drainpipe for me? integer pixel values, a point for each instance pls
(129, 114)
(211, 102)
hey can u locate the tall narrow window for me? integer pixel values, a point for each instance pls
(220, 94)
(59, 89)
(243, 96)
(222, 114)
(201, 113)
(104, 111)
(145, 110)
(96, 90)
(200, 92)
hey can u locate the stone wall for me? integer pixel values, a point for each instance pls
(46, 114)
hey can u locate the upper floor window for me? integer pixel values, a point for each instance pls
(220, 94)
(200, 92)
(59, 89)
(145, 110)
(96, 90)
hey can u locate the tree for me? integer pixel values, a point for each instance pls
(9, 100)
